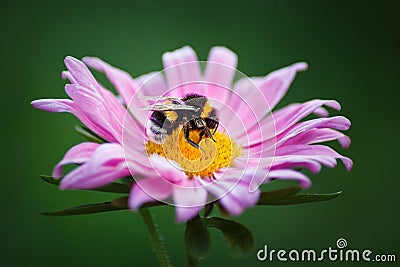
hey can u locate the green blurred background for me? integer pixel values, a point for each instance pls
(353, 52)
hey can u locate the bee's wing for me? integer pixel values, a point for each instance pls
(160, 98)
(169, 107)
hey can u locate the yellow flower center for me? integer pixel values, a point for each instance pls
(202, 162)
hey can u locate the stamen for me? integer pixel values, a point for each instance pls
(211, 157)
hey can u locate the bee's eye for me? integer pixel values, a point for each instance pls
(175, 102)
(211, 123)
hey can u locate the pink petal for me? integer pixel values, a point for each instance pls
(286, 117)
(317, 136)
(149, 190)
(181, 66)
(121, 80)
(151, 84)
(98, 108)
(162, 177)
(312, 162)
(233, 121)
(186, 213)
(254, 98)
(84, 97)
(232, 190)
(140, 167)
(290, 175)
(78, 154)
(275, 85)
(313, 150)
(120, 117)
(220, 70)
(243, 190)
(93, 106)
(66, 105)
(80, 73)
(249, 104)
(102, 112)
(268, 145)
(344, 141)
(106, 165)
(338, 123)
(293, 161)
(189, 199)
(167, 169)
(239, 198)
(54, 105)
(94, 94)
(66, 75)
(321, 112)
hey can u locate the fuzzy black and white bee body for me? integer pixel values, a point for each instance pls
(192, 112)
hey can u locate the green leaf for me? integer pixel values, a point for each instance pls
(123, 203)
(267, 198)
(197, 238)
(114, 188)
(110, 188)
(50, 180)
(304, 198)
(117, 204)
(88, 134)
(289, 196)
(239, 239)
(88, 209)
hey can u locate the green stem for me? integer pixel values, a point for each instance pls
(155, 237)
(192, 262)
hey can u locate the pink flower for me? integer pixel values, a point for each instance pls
(254, 145)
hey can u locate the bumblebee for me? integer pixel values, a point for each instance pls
(191, 112)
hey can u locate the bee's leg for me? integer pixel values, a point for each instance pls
(216, 127)
(201, 135)
(207, 130)
(187, 138)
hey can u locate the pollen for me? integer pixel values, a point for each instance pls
(203, 162)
